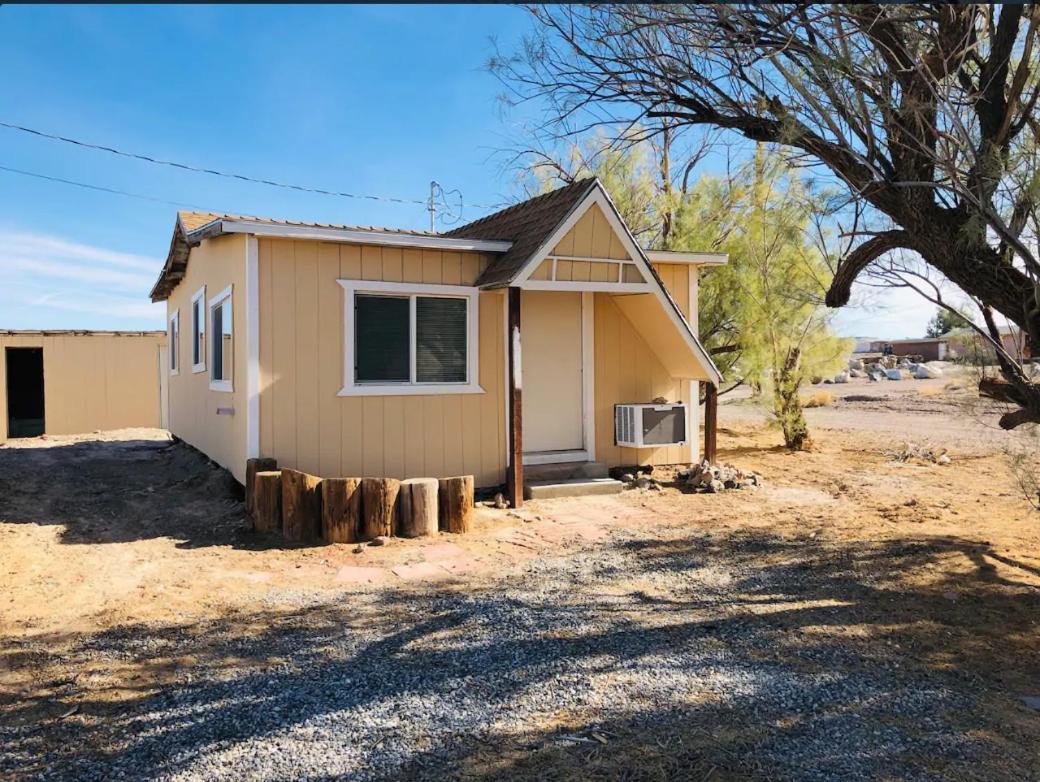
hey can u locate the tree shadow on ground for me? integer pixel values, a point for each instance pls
(116, 491)
(738, 655)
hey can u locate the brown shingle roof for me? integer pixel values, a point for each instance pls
(527, 224)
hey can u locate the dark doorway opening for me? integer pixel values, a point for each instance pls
(24, 392)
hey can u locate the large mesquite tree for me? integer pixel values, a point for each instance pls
(926, 113)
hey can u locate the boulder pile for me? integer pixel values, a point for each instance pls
(713, 478)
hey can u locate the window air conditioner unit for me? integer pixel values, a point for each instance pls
(649, 425)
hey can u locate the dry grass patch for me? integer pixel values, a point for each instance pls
(819, 399)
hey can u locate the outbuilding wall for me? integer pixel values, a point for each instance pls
(92, 380)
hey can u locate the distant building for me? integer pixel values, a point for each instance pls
(929, 349)
(864, 344)
(967, 342)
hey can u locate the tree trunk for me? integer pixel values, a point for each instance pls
(711, 423)
(340, 509)
(418, 511)
(267, 502)
(301, 506)
(455, 497)
(787, 404)
(253, 466)
(378, 506)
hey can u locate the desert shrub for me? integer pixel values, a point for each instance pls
(818, 399)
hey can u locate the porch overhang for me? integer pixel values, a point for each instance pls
(670, 338)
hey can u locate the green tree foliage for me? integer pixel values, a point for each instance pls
(944, 322)
(785, 334)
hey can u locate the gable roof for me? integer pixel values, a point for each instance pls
(192, 228)
(527, 225)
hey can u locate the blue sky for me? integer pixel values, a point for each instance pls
(375, 100)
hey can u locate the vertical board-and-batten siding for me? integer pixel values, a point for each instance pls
(626, 368)
(194, 417)
(91, 381)
(306, 425)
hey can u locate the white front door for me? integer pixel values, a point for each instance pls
(552, 386)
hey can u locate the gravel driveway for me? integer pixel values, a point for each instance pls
(657, 655)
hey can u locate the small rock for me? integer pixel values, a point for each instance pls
(1032, 701)
(359, 548)
(378, 540)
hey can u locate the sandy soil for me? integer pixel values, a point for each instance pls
(127, 529)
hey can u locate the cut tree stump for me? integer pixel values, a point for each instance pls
(340, 509)
(301, 506)
(253, 466)
(456, 503)
(418, 512)
(267, 502)
(378, 506)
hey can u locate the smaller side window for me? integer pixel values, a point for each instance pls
(175, 342)
(198, 330)
(222, 343)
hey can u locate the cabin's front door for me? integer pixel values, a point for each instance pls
(551, 355)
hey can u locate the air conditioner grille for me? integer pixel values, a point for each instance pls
(649, 425)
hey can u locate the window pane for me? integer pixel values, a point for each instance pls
(174, 344)
(221, 348)
(196, 331)
(381, 339)
(440, 346)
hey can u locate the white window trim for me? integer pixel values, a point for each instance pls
(199, 294)
(175, 343)
(472, 296)
(226, 386)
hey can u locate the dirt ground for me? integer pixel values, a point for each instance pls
(941, 562)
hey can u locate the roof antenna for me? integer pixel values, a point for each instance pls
(431, 206)
(451, 212)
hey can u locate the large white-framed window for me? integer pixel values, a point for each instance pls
(198, 330)
(410, 339)
(175, 342)
(221, 342)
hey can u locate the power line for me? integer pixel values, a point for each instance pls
(100, 188)
(216, 172)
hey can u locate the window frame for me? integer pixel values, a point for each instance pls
(174, 336)
(225, 385)
(199, 330)
(471, 295)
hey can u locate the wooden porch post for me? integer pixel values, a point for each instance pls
(711, 422)
(515, 470)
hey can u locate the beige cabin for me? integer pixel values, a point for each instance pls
(73, 382)
(510, 341)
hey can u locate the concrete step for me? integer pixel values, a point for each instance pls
(564, 471)
(574, 487)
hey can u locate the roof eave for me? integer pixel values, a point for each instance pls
(687, 258)
(359, 236)
(184, 240)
